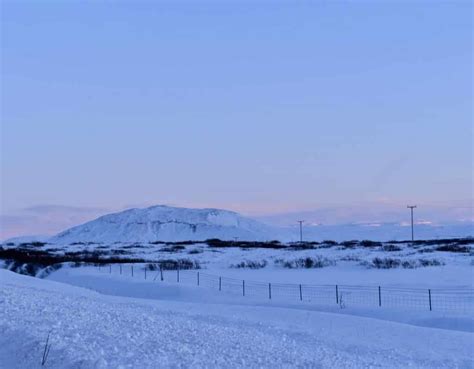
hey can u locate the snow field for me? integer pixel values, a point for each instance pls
(91, 330)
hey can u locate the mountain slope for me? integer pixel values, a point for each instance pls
(164, 223)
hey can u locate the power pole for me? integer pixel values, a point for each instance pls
(301, 230)
(411, 207)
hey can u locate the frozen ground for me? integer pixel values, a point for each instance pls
(173, 326)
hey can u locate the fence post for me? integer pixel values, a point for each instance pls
(301, 294)
(120, 268)
(110, 268)
(100, 267)
(161, 273)
(429, 297)
(220, 284)
(337, 295)
(177, 274)
(198, 278)
(270, 291)
(145, 272)
(243, 287)
(380, 297)
(132, 270)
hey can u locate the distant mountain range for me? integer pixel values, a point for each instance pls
(165, 223)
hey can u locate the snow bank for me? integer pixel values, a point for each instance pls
(90, 330)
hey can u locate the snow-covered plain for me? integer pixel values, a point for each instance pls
(132, 323)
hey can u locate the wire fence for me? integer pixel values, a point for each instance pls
(458, 300)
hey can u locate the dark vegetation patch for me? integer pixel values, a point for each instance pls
(174, 243)
(350, 258)
(174, 248)
(391, 263)
(174, 264)
(32, 244)
(195, 251)
(369, 243)
(454, 248)
(391, 248)
(120, 252)
(214, 242)
(426, 250)
(441, 241)
(302, 246)
(28, 261)
(349, 244)
(135, 246)
(308, 262)
(250, 264)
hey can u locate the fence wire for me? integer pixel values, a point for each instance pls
(459, 300)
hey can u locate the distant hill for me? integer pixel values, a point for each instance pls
(164, 223)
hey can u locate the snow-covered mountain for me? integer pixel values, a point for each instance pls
(164, 223)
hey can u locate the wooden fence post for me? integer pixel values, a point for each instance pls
(429, 297)
(198, 278)
(270, 291)
(380, 297)
(177, 274)
(161, 273)
(243, 288)
(220, 284)
(337, 295)
(132, 270)
(120, 268)
(301, 293)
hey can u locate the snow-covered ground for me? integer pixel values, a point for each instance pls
(133, 323)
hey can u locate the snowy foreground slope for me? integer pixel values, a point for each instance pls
(177, 328)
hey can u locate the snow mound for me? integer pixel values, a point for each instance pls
(164, 223)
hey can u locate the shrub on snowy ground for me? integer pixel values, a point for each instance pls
(368, 243)
(350, 258)
(329, 242)
(454, 248)
(308, 262)
(32, 244)
(195, 251)
(301, 246)
(349, 244)
(391, 248)
(215, 242)
(425, 250)
(390, 263)
(171, 264)
(250, 264)
(430, 262)
(174, 248)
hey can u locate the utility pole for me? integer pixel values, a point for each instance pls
(411, 207)
(301, 230)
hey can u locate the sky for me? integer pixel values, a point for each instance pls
(258, 107)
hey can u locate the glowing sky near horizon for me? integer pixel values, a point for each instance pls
(255, 107)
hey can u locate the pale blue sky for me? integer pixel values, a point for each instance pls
(257, 107)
